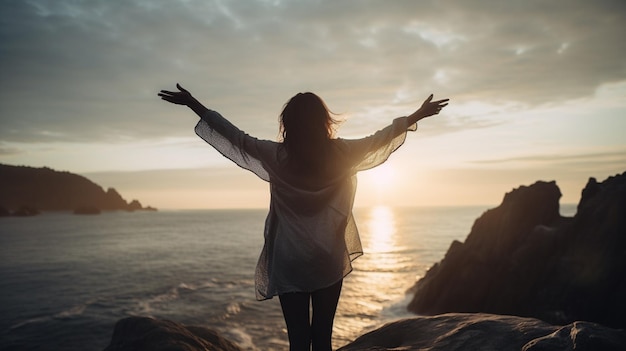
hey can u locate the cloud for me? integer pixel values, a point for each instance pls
(9, 151)
(610, 161)
(89, 71)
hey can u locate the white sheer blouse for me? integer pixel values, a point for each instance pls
(310, 234)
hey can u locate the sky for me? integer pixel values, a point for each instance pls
(537, 91)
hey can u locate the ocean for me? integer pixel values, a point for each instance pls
(66, 279)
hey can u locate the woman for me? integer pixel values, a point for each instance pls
(310, 234)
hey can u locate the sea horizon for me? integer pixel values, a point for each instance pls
(69, 278)
(356, 207)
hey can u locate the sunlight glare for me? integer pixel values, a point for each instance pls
(381, 177)
(382, 229)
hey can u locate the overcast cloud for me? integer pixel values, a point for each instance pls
(89, 70)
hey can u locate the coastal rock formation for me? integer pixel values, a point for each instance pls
(45, 189)
(147, 334)
(448, 332)
(486, 332)
(522, 258)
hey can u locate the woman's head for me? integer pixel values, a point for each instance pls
(306, 127)
(306, 115)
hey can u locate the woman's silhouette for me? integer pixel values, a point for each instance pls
(310, 234)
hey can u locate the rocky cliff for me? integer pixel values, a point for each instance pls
(522, 258)
(49, 190)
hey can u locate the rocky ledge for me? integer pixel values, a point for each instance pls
(488, 332)
(447, 332)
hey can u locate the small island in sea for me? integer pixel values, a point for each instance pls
(27, 191)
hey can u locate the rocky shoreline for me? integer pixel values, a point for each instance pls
(525, 279)
(488, 332)
(447, 332)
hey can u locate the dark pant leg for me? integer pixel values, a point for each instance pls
(296, 312)
(324, 306)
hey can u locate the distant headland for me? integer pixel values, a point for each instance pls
(26, 191)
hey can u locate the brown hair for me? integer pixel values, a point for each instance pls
(306, 128)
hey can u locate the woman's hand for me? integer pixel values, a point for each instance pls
(181, 97)
(428, 108)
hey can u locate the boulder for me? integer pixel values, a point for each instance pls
(148, 334)
(522, 258)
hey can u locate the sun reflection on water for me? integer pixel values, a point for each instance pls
(374, 285)
(381, 230)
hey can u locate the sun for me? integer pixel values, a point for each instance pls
(381, 177)
(378, 186)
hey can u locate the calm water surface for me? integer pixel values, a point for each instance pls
(65, 279)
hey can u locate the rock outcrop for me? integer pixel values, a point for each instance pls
(448, 332)
(486, 332)
(147, 334)
(45, 189)
(522, 258)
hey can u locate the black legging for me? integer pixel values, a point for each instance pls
(304, 332)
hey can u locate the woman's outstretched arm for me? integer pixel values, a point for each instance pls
(183, 97)
(215, 121)
(373, 150)
(428, 108)
(217, 131)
